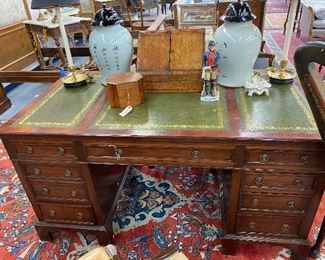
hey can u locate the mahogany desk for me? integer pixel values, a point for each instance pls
(70, 151)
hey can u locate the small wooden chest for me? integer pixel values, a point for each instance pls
(125, 89)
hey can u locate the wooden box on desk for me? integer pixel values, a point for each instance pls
(125, 89)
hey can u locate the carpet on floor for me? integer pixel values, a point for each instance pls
(277, 6)
(158, 207)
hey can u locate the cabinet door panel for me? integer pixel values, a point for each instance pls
(187, 48)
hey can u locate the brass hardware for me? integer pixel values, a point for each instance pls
(195, 154)
(252, 225)
(264, 158)
(74, 193)
(304, 159)
(259, 180)
(61, 150)
(51, 212)
(45, 191)
(291, 204)
(67, 173)
(285, 227)
(298, 182)
(37, 171)
(29, 149)
(118, 151)
(255, 202)
(80, 215)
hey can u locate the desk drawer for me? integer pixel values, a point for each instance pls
(38, 171)
(283, 226)
(67, 213)
(44, 150)
(301, 159)
(278, 181)
(58, 191)
(273, 202)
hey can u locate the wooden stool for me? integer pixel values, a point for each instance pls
(125, 89)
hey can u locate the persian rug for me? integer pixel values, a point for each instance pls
(158, 207)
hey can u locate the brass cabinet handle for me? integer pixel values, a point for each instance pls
(45, 191)
(304, 159)
(67, 173)
(52, 213)
(195, 154)
(259, 180)
(61, 150)
(80, 215)
(255, 202)
(74, 193)
(118, 151)
(29, 149)
(298, 182)
(285, 227)
(264, 158)
(36, 171)
(291, 204)
(252, 225)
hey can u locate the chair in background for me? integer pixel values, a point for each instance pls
(314, 88)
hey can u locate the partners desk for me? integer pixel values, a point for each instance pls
(71, 151)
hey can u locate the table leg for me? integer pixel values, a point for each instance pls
(56, 37)
(36, 45)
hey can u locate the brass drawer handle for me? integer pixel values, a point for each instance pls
(252, 225)
(264, 158)
(61, 150)
(52, 213)
(259, 180)
(298, 182)
(80, 216)
(74, 193)
(118, 151)
(304, 159)
(285, 227)
(195, 154)
(291, 204)
(36, 172)
(67, 173)
(29, 149)
(45, 191)
(255, 202)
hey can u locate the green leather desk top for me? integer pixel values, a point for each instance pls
(86, 111)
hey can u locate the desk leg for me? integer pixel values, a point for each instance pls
(56, 37)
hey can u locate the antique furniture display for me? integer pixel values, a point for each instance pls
(117, 5)
(257, 7)
(125, 89)
(195, 13)
(174, 66)
(72, 161)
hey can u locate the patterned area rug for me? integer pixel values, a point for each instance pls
(158, 207)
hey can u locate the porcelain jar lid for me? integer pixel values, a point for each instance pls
(106, 17)
(238, 12)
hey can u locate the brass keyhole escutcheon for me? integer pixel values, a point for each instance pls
(195, 154)
(264, 158)
(80, 215)
(285, 227)
(67, 173)
(291, 204)
(298, 182)
(304, 159)
(29, 149)
(259, 180)
(74, 193)
(255, 202)
(37, 171)
(45, 191)
(252, 225)
(61, 150)
(52, 213)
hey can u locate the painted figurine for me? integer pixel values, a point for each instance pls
(210, 71)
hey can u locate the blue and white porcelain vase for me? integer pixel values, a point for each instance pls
(110, 44)
(239, 41)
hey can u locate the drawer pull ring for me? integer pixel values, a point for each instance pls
(61, 150)
(285, 227)
(74, 193)
(255, 202)
(291, 204)
(264, 158)
(67, 173)
(37, 171)
(80, 215)
(259, 180)
(118, 151)
(29, 149)
(304, 159)
(45, 191)
(52, 213)
(298, 182)
(195, 154)
(252, 225)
